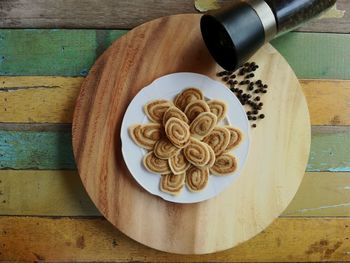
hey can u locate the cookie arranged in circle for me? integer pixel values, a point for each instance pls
(212, 158)
(178, 132)
(187, 96)
(197, 153)
(155, 109)
(236, 137)
(225, 164)
(218, 107)
(164, 149)
(172, 183)
(155, 165)
(195, 108)
(203, 124)
(218, 140)
(178, 163)
(197, 178)
(176, 113)
(146, 135)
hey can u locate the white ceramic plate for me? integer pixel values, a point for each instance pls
(167, 87)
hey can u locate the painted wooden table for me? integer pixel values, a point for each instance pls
(45, 212)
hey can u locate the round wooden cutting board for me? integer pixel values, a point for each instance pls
(275, 167)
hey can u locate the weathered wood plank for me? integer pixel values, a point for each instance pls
(32, 193)
(311, 54)
(36, 150)
(70, 239)
(51, 99)
(72, 52)
(51, 150)
(122, 14)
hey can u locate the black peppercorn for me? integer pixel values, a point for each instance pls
(261, 104)
(261, 116)
(225, 79)
(254, 125)
(264, 91)
(257, 98)
(233, 76)
(249, 113)
(255, 112)
(254, 118)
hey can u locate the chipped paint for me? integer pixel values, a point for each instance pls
(334, 12)
(206, 5)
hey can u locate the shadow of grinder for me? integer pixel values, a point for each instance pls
(235, 32)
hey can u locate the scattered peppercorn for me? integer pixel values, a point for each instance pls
(254, 125)
(261, 116)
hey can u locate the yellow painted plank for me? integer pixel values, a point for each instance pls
(30, 192)
(69, 239)
(328, 101)
(51, 99)
(38, 99)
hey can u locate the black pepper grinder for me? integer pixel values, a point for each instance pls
(234, 33)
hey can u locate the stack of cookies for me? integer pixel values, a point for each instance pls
(185, 142)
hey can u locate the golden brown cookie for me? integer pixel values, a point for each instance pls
(218, 107)
(197, 152)
(195, 108)
(178, 163)
(236, 137)
(212, 157)
(155, 109)
(203, 124)
(176, 113)
(187, 96)
(178, 132)
(218, 140)
(155, 165)
(164, 149)
(197, 178)
(172, 183)
(146, 135)
(225, 164)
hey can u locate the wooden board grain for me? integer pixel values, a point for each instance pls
(45, 146)
(32, 193)
(32, 52)
(95, 240)
(29, 99)
(265, 187)
(125, 14)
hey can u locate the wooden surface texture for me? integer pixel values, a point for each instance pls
(40, 75)
(265, 187)
(128, 14)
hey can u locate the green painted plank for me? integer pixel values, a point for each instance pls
(316, 55)
(52, 52)
(36, 150)
(72, 52)
(52, 149)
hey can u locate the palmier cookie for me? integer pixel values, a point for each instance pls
(178, 163)
(203, 124)
(172, 183)
(225, 164)
(197, 152)
(195, 108)
(156, 108)
(218, 107)
(187, 96)
(146, 135)
(197, 178)
(155, 165)
(176, 113)
(218, 139)
(236, 137)
(178, 132)
(164, 149)
(212, 157)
